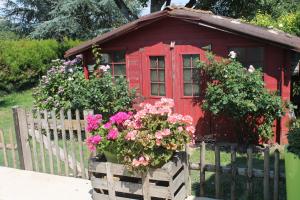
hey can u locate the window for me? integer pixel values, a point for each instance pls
(191, 75)
(157, 75)
(250, 56)
(117, 63)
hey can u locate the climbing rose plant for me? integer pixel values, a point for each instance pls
(148, 138)
(240, 94)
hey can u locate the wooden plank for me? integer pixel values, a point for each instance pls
(13, 150)
(41, 142)
(110, 182)
(65, 150)
(181, 194)
(233, 173)
(58, 165)
(177, 182)
(249, 190)
(49, 143)
(21, 130)
(187, 172)
(217, 172)
(146, 184)
(68, 124)
(73, 150)
(98, 196)
(83, 174)
(202, 169)
(267, 173)
(3, 148)
(276, 175)
(34, 146)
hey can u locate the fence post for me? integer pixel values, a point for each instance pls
(22, 138)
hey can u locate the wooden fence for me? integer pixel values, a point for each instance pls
(52, 141)
(249, 171)
(8, 148)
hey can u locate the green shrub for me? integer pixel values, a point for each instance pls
(294, 138)
(240, 95)
(65, 87)
(23, 61)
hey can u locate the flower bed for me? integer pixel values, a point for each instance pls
(145, 139)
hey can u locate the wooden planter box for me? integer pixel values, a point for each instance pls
(113, 181)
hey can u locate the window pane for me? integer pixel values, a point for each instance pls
(153, 62)
(186, 61)
(188, 89)
(196, 90)
(187, 75)
(119, 70)
(255, 54)
(154, 75)
(154, 89)
(162, 91)
(196, 75)
(161, 74)
(119, 56)
(195, 60)
(161, 62)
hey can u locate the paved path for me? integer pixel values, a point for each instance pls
(18, 184)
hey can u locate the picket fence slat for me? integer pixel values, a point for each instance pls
(49, 143)
(276, 175)
(73, 151)
(266, 173)
(217, 172)
(34, 146)
(63, 132)
(2, 140)
(41, 142)
(233, 173)
(53, 115)
(202, 169)
(77, 115)
(13, 149)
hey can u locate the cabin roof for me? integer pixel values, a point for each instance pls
(201, 18)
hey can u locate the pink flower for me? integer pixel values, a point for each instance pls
(107, 125)
(143, 160)
(161, 134)
(165, 102)
(113, 134)
(158, 142)
(93, 122)
(120, 117)
(158, 135)
(180, 129)
(190, 129)
(92, 142)
(175, 118)
(166, 132)
(131, 135)
(187, 119)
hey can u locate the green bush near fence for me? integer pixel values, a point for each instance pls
(23, 61)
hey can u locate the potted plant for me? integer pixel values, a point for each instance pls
(144, 142)
(292, 162)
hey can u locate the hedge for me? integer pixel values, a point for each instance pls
(22, 62)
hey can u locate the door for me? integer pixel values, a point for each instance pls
(172, 73)
(156, 71)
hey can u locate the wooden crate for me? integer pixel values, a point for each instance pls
(114, 182)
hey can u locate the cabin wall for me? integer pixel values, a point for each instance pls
(188, 37)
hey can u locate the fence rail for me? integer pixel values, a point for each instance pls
(7, 147)
(249, 171)
(52, 141)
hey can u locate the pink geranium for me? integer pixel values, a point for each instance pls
(93, 122)
(92, 142)
(120, 117)
(131, 135)
(143, 160)
(113, 134)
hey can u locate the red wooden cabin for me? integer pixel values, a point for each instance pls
(157, 52)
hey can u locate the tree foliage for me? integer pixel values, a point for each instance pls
(240, 95)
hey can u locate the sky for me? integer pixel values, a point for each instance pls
(177, 2)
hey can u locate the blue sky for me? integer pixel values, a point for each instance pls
(176, 2)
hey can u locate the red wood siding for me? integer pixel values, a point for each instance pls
(155, 39)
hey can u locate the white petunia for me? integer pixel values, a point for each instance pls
(105, 67)
(251, 69)
(232, 54)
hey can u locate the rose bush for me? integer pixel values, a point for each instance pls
(142, 140)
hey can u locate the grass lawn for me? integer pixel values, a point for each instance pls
(22, 99)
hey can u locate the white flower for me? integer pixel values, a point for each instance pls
(104, 67)
(251, 69)
(280, 25)
(232, 54)
(70, 79)
(70, 70)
